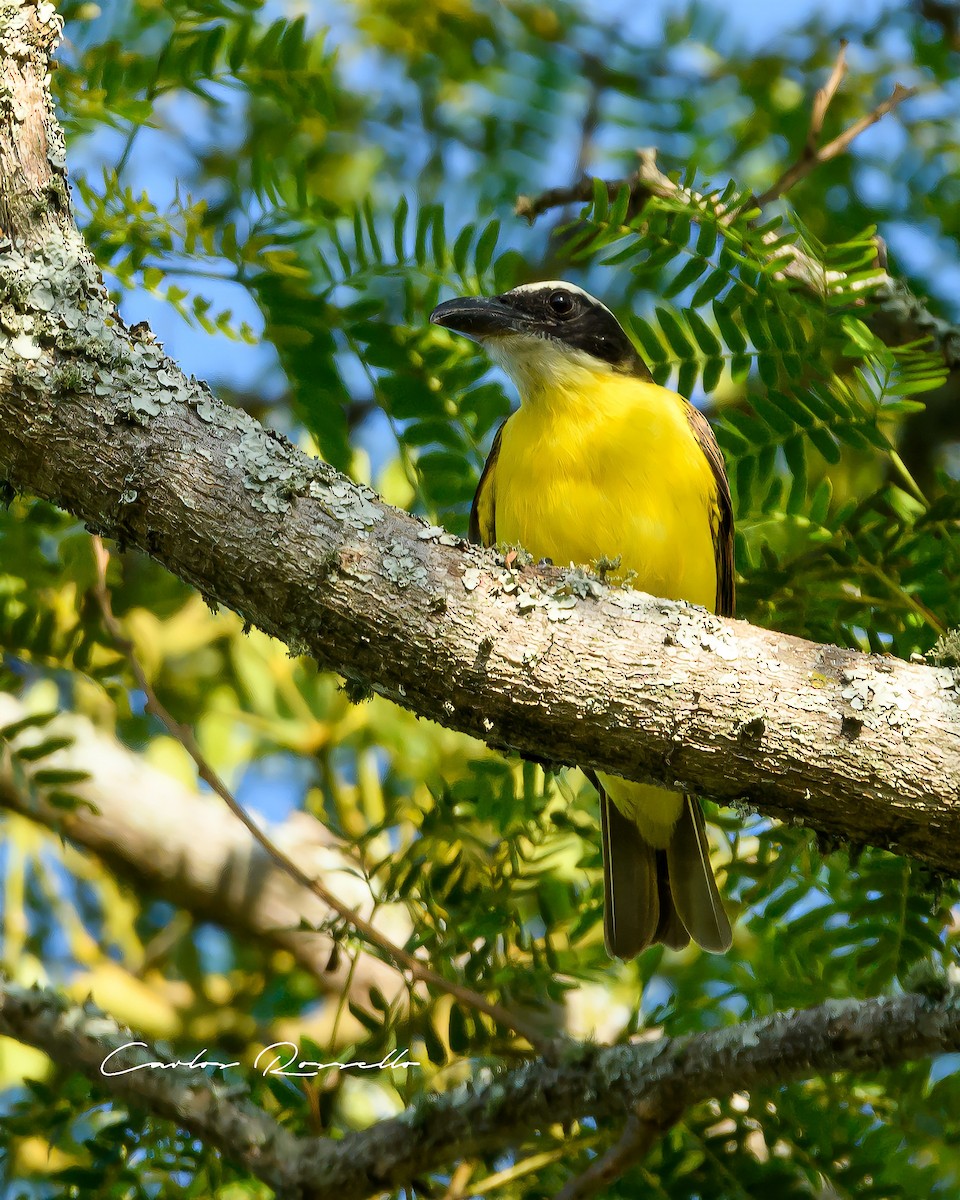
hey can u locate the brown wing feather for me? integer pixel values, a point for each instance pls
(722, 517)
(483, 511)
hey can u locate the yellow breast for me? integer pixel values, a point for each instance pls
(605, 465)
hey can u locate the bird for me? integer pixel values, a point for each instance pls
(600, 464)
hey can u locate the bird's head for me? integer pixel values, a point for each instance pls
(544, 334)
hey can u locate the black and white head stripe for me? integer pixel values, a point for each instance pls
(566, 313)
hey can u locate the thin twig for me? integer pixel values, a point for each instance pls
(642, 1131)
(580, 192)
(524, 1166)
(814, 154)
(185, 736)
(459, 1180)
(824, 97)
(648, 180)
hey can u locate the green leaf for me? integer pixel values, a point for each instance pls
(711, 287)
(42, 749)
(618, 213)
(687, 378)
(756, 326)
(432, 1044)
(57, 777)
(795, 453)
(601, 200)
(400, 228)
(820, 502)
(712, 374)
(825, 443)
(773, 415)
(459, 1032)
(439, 239)
(424, 221)
(371, 226)
(729, 330)
(676, 335)
(707, 239)
(653, 348)
(33, 721)
(485, 247)
(461, 249)
(769, 367)
(688, 274)
(707, 340)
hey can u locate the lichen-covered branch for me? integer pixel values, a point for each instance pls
(545, 662)
(189, 850)
(79, 1037)
(661, 1076)
(643, 1083)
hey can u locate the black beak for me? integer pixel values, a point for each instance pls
(479, 317)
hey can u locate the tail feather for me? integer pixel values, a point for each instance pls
(692, 884)
(631, 903)
(659, 895)
(670, 927)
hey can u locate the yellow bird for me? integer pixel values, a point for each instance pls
(600, 462)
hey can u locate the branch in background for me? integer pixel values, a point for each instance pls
(648, 180)
(649, 1081)
(643, 1129)
(658, 1079)
(78, 1037)
(404, 961)
(188, 850)
(813, 153)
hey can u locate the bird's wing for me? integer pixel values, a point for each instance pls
(722, 516)
(483, 511)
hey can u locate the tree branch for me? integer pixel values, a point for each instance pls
(189, 850)
(810, 161)
(648, 180)
(79, 1037)
(541, 661)
(651, 1081)
(814, 154)
(642, 1131)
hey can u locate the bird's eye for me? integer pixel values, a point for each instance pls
(562, 304)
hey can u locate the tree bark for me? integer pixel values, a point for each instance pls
(653, 1080)
(545, 662)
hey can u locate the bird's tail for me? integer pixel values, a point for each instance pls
(655, 894)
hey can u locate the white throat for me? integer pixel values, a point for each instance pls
(537, 364)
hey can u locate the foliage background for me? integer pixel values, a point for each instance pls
(285, 195)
